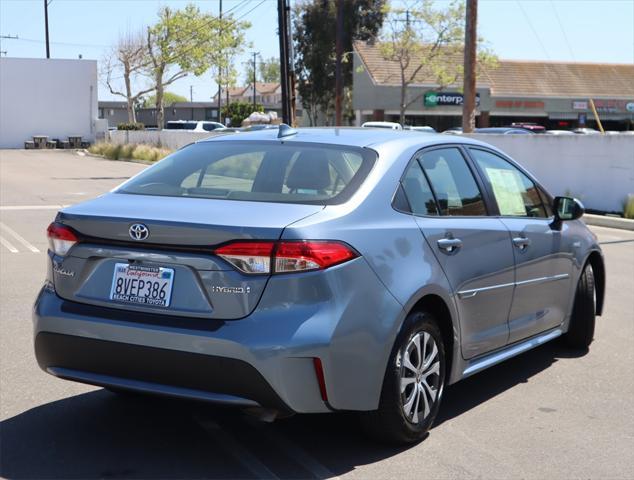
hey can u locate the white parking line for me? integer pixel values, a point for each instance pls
(19, 238)
(239, 452)
(31, 207)
(8, 245)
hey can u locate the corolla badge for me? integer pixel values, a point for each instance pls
(138, 231)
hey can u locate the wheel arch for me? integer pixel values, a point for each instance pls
(436, 305)
(595, 259)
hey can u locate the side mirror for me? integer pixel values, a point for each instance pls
(567, 208)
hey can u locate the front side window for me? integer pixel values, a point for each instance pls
(257, 171)
(515, 194)
(453, 184)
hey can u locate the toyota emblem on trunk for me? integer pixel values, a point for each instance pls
(138, 231)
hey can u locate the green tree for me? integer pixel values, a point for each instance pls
(182, 42)
(426, 43)
(314, 40)
(169, 98)
(238, 111)
(268, 70)
(223, 59)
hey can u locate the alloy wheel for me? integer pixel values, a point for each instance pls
(420, 381)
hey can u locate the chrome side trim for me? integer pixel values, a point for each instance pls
(148, 387)
(508, 352)
(553, 278)
(473, 292)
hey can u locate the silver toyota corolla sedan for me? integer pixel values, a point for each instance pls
(316, 270)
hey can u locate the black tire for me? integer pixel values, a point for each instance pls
(390, 423)
(581, 330)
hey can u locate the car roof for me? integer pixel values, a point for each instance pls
(348, 136)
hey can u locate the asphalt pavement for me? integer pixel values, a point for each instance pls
(549, 413)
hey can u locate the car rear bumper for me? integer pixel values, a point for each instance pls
(265, 359)
(155, 370)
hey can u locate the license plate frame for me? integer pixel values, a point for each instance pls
(147, 293)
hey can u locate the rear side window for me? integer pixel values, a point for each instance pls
(515, 194)
(453, 184)
(257, 171)
(418, 193)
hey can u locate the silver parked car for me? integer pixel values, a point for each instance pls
(316, 270)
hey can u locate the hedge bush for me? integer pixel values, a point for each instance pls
(129, 151)
(130, 126)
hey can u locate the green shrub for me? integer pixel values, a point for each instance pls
(131, 126)
(238, 111)
(129, 151)
(628, 207)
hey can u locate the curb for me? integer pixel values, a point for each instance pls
(610, 222)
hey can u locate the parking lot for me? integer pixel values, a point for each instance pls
(550, 413)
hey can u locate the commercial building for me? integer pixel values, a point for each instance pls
(553, 94)
(47, 97)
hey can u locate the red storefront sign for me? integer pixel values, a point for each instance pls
(519, 104)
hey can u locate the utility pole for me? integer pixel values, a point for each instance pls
(220, 76)
(48, 49)
(469, 86)
(191, 99)
(254, 77)
(282, 27)
(338, 69)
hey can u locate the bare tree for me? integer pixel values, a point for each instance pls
(126, 61)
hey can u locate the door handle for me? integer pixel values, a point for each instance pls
(449, 245)
(521, 242)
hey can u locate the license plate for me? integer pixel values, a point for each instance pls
(142, 285)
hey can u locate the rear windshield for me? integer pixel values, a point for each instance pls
(265, 172)
(181, 125)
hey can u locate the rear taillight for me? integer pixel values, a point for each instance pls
(285, 256)
(60, 238)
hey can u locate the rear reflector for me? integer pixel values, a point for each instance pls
(285, 256)
(60, 238)
(321, 380)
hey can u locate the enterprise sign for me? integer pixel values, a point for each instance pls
(434, 99)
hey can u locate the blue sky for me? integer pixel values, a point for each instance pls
(568, 30)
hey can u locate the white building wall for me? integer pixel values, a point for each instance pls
(51, 97)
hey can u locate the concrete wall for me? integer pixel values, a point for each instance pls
(173, 139)
(50, 97)
(597, 169)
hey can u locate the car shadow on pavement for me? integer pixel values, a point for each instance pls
(473, 391)
(102, 435)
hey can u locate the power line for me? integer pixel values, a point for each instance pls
(198, 44)
(34, 40)
(563, 31)
(530, 24)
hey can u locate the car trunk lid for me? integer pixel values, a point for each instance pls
(182, 234)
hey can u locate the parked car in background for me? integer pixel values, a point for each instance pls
(425, 128)
(387, 125)
(586, 131)
(504, 131)
(194, 126)
(316, 270)
(533, 127)
(559, 132)
(453, 131)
